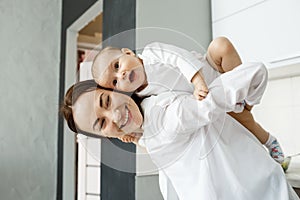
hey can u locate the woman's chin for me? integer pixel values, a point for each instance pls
(130, 128)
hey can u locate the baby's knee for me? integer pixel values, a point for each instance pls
(222, 45)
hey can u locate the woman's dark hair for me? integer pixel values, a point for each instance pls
(72, 95)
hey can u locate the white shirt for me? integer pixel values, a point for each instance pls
(205, 153)
(170, 68)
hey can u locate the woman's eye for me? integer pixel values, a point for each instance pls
(107, 101)
(115, 82)
(101, 101)
(116, 65)
(102, 122)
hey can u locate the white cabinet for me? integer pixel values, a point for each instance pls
(266, 30)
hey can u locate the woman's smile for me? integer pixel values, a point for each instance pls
(125, 118)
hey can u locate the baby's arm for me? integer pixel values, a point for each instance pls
(175, 57)
(131, 138)
(222, 56)
(189, 65)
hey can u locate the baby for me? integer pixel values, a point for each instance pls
(162, 67)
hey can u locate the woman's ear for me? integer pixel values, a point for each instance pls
(127, 51)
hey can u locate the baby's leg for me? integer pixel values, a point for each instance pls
(247, 120)
(222, 55)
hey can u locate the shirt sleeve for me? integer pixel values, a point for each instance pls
(187, 63)
(186, 114)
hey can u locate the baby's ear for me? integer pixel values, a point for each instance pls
(127, 51)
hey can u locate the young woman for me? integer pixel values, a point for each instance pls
(204, 152)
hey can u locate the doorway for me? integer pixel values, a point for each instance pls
(88, 149)
(81, 172)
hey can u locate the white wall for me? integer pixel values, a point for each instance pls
(265, 30)
(29, 54)
(268, 30)
(279, 112)
(184, 23)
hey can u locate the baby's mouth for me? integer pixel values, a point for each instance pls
(125, 118)
(131, 76)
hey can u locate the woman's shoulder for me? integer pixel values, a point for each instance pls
(160, 101)
(162, 112)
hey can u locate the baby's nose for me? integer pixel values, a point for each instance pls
(122, 74)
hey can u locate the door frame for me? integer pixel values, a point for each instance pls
(69, 146)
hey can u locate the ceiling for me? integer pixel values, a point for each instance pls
(91, 35)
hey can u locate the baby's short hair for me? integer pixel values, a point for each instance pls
(108, 48)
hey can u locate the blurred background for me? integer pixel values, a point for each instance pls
(47, 45)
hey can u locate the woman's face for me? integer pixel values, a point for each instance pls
(107, 113)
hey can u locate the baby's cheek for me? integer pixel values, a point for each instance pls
(124, 87)
(97, 81)
(104, 84)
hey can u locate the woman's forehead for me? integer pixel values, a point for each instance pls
(85, 103)
(93, 96)
(84, 111)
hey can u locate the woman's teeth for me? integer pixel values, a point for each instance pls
(126, 118)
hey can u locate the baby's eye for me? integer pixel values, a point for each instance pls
(116, 65)
(115, 82)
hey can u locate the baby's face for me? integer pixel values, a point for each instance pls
(120, 70)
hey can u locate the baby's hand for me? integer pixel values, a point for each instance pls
(201, 90)
(130, 138)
